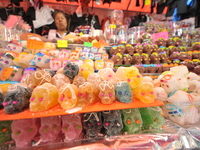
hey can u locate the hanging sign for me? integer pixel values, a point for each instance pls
(163, 35)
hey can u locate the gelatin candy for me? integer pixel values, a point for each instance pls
(59, 79)
(112, 122)
(23, 59)
(72, 126)
(169, 83)
(95, 79)
(132, 120)
(5, 131)
(50, 71)
(89, 62)
(85, 70)
(55, 64)
(120, 74)
(86, 95)
(145, 92)
(92, 123)
(43, 97)
(40, 60)
(23, 131)
(4, 88)
(16, 74)
(151, 117)
(1, 100)
(78, 80)
(107, 92)
(68, 96)
(49, 129)
(71, 70)
(99, 64)
(17, 98)
(108, 74)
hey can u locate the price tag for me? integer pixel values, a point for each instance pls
(34, 44)
(87, 44)
(113, 26)
(97, 45)
(80, 34)
(62, 43)
(163, 35)
(6, 72)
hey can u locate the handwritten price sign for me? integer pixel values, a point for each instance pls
(6, 72)
(163, 35)
(62, 43)
(34, 44)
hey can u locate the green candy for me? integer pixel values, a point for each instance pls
(5, 131)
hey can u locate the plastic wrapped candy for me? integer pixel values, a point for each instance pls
(17, 98)
(71, 70)
(49, 129)
(72, 126)
(160, 93)
(5, 134)
(145, 92)
(23, 131)
(59, 79)
(78, 80)
(117, 17)
(95, 79)
(1, 99)
(92, 123)
(23, 59)
(16, 74)
(86, 69)
(112, 122)
(108, 74)
(40, 60)
(86, 94)
(68, 96)
(7, 58)
(107, 92)
(123, 92)
(55, 64)
(179, 71)
(43, 97)
(132, 120)
(191, 115)
(151, 117)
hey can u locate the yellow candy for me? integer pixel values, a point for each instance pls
(85, 70)
(4, 88)
(99, 64)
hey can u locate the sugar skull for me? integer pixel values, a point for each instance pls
(55, 64)
(160, 93)
(107, 92)
(109, 64)
(102, 50)
(49, 129)
(108, 74)
(128, 60)
(72, 126)
(145, 92)
(192, 76)
(132, 120)
(40, 60)
(64, 54)
(123, 92)
(91, 56)
(99, 64)
(89, 62)
(78, 62)
(68, 96)
(49, 46)
(112, 122)
(105, 57)
(71, 70)
(29, 71)
(5, 134)
(43, 97)
(16, 74)
(23, 43)
(23, 131)
(64, 62)
(14, 47)
(59, 79)
(97, 56)
(23, 59)
(86, 69)
(78, 80)
(117, 59)
(17, 98)
(7, 58)
(54, 53)
(92, 123)
(94, 50)
(95, 79)
(74, 55)
(84, 55)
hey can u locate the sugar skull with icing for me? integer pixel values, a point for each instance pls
(14, 47)
(40, 60)
(7, 58)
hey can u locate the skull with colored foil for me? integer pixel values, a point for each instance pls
(72, 126)
(40, 60)
(123, 92)
(7, 58)
(84, 55)
(14, 47)
(17, 98)
(54, 53)
(71, 70)
(5, 131)
(132, 120)
(112, 122)
(23, 59)
(107, 92)
(92, 123)
(55, 64)
(64, 54)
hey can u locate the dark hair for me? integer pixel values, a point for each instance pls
(57, 12)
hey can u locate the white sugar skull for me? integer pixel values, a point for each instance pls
(160, 93)
(179, 71)
(183, 84)
(84, 55)
(91, 55)
(14, 47)
(23, 59)
(192, 76)
(74, 55)
(50, 128)
(40, 60)
(194, 86)
(72, 126)
(97, 56)
(64, 54)
(55, 64)
(23, 43)
(54, 53)
(6, 59)
(16, 73)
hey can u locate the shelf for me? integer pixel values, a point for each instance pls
(57, 110)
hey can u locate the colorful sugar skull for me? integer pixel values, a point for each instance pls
(84, 55)
(7, 58)
(108, 74)
(64, 62)
(109, 64)
(128, 60)
(59, 79)
(99, 64)
(112, 122)
(102, 50)
(105, 57)
(23, 59)
(55, 64)
(78, 62)
(23, 131)
(55, 54)
(64, 54)
(68, 96)
(85, 70)
(16, 74)
(40, 60)
(94, 50)
(74, 55)
(91, 56)
(5, 135)
(132, 120)
(123, 92)
(49, 46)
(117, 59)
(29, 71)
(23, 43)
(78, 80)
(43, 97)
(160, 93)
(97, 56)
(72, 126)
(107, 92)
(92, 123)
(49, 129)
(71, 70)
(145, 92)
(14, 47)
(17, 98)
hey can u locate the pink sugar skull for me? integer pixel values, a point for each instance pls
(50, 128)
(16, 74)
(54, 53)
(14, 47)
(65, 62)
(23, 131)
(29, 71)
(64, 54)
(55, 64)
(72, 127)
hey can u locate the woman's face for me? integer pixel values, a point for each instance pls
(60, 21)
